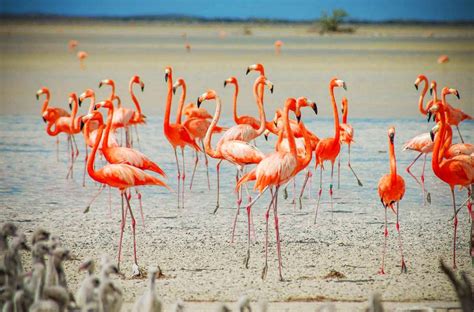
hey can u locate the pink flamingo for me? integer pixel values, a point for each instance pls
(122, 177)
(82, 55)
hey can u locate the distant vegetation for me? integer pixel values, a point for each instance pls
(333, 23)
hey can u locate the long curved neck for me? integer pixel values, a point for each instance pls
(105, 143)
(307, 144)
(393, 161)
(421, 108)
(181, 104)
(91, 159)
(92, 105)
(435, 94)
(134, 98)
(447, 140)
(336, 115)
(261, 88)
(166, 122)
(74, 112)
(289, 133)
(437, 150)
(45, 103)
(49, 128)
(344, 115)
(112, 94)
(207, 139)
(236, 94)
(261, 110)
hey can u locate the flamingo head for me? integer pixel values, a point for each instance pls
(434, 108)
(263, 80)
(391, 134)
(209, 95)
(168, 73)
(179, 82)
(109, 82)
(447, 90)
(266, 134)
(105, 104)
(232, 80)
(72, 98)
(433, 87)
(419, 79)
(41, 91)
(136, 79)
(335, 82)
(95, 115)
(433, 131)
(304, 102)
(256, 67)
(86, 94)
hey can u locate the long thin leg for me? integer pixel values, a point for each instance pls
(135, 259)
(339, 172)
(239, 201)
(302, 189)
(196, 161)
(385, 234)
(139, 196)
(330, 192)
(85, 167)
(409, 166)
(404, 267)
(267, 215)
(310, 183)
(71, 156)
(138, 137)
(294, 193)
(460, 136)
(122, 227)
(101, 188)
(320, 191)
(350, 167)
(218, 167)
(179, 176)
(183, 177)
(428, 195)
(455, 227)
(206, 161)
(110, 203)
(277, 232)
(57, 148)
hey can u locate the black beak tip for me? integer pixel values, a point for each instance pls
(166, 77)
(70, 106)
(198, 102)
(315, 109)
(225, 84)
(143, 88)
(298, 118)
(82, 125)
(431, 91)
(174, 90)
(458, 96)
(80, 101)
(100, 84)
(266, 137)
(429, 116)
(37, 97)
(271, 90)
(416, 87)
(432, 135)
(44, 119)
(248, 71)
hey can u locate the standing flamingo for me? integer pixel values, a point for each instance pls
(278, 44)
(72, 45)
(260, 69)
(456, 115)
(328, 148)
(176, 134)
(391, 190)
(191, 110)
(122, 177)
(273, 171)
(458, 170)
(82, 55)
(240, 120)
(346, 135)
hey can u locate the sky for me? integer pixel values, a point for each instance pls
(371, 10)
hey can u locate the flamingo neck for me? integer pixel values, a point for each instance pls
(207, 139)
(45, 104)
(437, 152)
(344, 115)
(92, 104)
(336, 115)
(289, 133)
(421, 108)
(261, 110)
(435, 94)
(112, 94)
(134, 98)
(169, 98)
(105, 143)
(236, 94)
(74, 113)
(181, 104)
(307, 143)
(49, 128)
(90, 161)
(393, 162)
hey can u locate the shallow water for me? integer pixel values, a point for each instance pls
(192, 245)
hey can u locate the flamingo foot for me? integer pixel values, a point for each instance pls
(381, 271)
(136, 271)
(428, 197)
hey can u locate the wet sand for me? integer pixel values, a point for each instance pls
(192, 246)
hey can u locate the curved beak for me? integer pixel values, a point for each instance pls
(225, 83)
(315, 108)
(271, 89)
(80, 101)
(198, 102)
(70, 106)
(44, 119)
(431, 90)
(429, 116)
(82, 124)
(265, 136)
(416, 87)
(248, 71)
(457, 95)
(432, 135)
(142, 85)
(344, 85)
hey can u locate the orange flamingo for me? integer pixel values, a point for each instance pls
(346, 135)
(240, 120)
(82, 55)
(237, 152)
(72, 45)
(455, 116)
(278, 44)
(59, 112)
(391, 190)
(260, 69)
(192, 111)
(273, 171)
(328, 148)
(452, 150)
(458, 170)
(122, 177)
(442, 59)
(176, 134)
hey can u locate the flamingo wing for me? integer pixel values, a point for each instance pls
(123, 176)
(420, 143)
(239, 132)
(240, 153)
(129, 156)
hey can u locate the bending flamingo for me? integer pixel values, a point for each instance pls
(458, 170)
(122, 177)
(176, 134)
(391, 190)
(328, 148)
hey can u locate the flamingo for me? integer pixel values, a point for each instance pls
(329, 148)
(245, 132)
(458, 170)
(346, 136)
(237, 152)
(125, 155)
(176, 134)
(72, 45)
(273, 171)
(192, 111)
(278, 44)
(82, 55)
(442, 59)
(455, 116)
(391, 189)
(240, 120)
(59, 111)
(122, 177)
(260, 69)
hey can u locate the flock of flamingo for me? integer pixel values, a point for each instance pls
(295, 148)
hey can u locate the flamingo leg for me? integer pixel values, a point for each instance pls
(183, 176)
(409, 166)
(110, 203)
(294, 193)
(218, 167)
(460, 136)
(57, 148)
(350, 167)
(179, 176)
(101, 188)
(320, 192)
(239, 201)
(267, 215)
(277, 232)
(138, 137)
(139, 196)
(330, 192)
(428, 195)
(206, 161)
(339, 172)
(300, 198)
(310, 183)
(85, 167)
(122, 227)
(455, 227)
(404, 267)
(385, 234)
(134, 238)
(71, 164)
(196, 161)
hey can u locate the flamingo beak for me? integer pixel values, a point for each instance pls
(298, 118)
(391, 136)
(248, 71)
(344, 85)
(80, 101)
(457, 95)
(82, 124)
(315, 108)
(142, 87)
(174, 90)
(265, 136)
(432, 135)
(44, 119)
(198, 102)
(225, 83)
(271, 89)
(100, 84)
(70, 106)
(166, 77)
(37, 96)
(429, 116)
(431, 90)
(416, 87)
